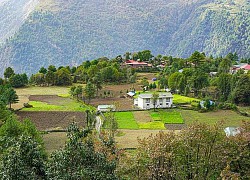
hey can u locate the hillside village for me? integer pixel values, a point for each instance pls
(129, 99)
(124, 90)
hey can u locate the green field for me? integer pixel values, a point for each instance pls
(178, 99)
(69, 106)
(152, 125)
(228, 117)
(126, 120)
(173, 117)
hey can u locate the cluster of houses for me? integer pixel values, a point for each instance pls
(235, 68)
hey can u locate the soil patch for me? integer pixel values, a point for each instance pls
(50, 99)
(47, 120)
(122, 104)
(142, 116)
(175, 126)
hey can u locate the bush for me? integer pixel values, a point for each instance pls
(227, 106)
(27, 105)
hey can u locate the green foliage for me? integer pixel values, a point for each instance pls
(63, 77)
(8, 72)
(111, 123)
(241, 93)
(18, 80)
(224, 86)
(43, 70)
(89, 91)
(24, 159)
(83, 157)
(173, 80)
(191, 154)
(8, 95)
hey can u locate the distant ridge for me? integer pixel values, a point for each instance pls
(63, 32)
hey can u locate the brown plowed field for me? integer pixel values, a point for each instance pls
(52, 119)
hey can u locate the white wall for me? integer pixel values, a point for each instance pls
(143, 105)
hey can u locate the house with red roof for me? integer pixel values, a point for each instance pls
(245, 67)
(136, 64)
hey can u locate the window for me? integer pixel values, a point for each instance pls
(147, 100)
(167, 99)
(160, 100)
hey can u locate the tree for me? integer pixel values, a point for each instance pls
(4, 112)
(162, 83)
(50, 78)
(97, 81)
(52, 68)
(22, 154)
(24, 159)
(84, 157)
(174, 80)
(43, 70)
(224, 86)
(78, 92)
(8, 95)
(63, 77)
(192, 154)
(127, 55)
(198, 81)
(18, 80)
(196, 58)
(224, 66)
(155, 97)
(8, 72)
(111, 123)
(241, 92)
(144, 83)
(89, 91)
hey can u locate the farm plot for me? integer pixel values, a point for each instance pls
(45, 120)
(126, 120)
(178, 99)
(147, 119)
(130, 139)
(121, 103)
(228, 117)
(54, 103)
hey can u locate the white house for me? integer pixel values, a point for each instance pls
(105, 108)
(145, 101)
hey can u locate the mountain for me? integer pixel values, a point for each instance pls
(67, 32)
(13, 14)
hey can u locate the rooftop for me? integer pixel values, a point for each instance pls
(161, 95)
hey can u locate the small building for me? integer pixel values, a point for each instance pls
(232, 131)
(136, 64)
(105, 108)
(145, 101)
(131, 93)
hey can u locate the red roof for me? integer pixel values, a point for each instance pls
(246, 67)
(135, 62)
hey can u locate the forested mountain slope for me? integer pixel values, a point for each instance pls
(13, 14)
(63, 32)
